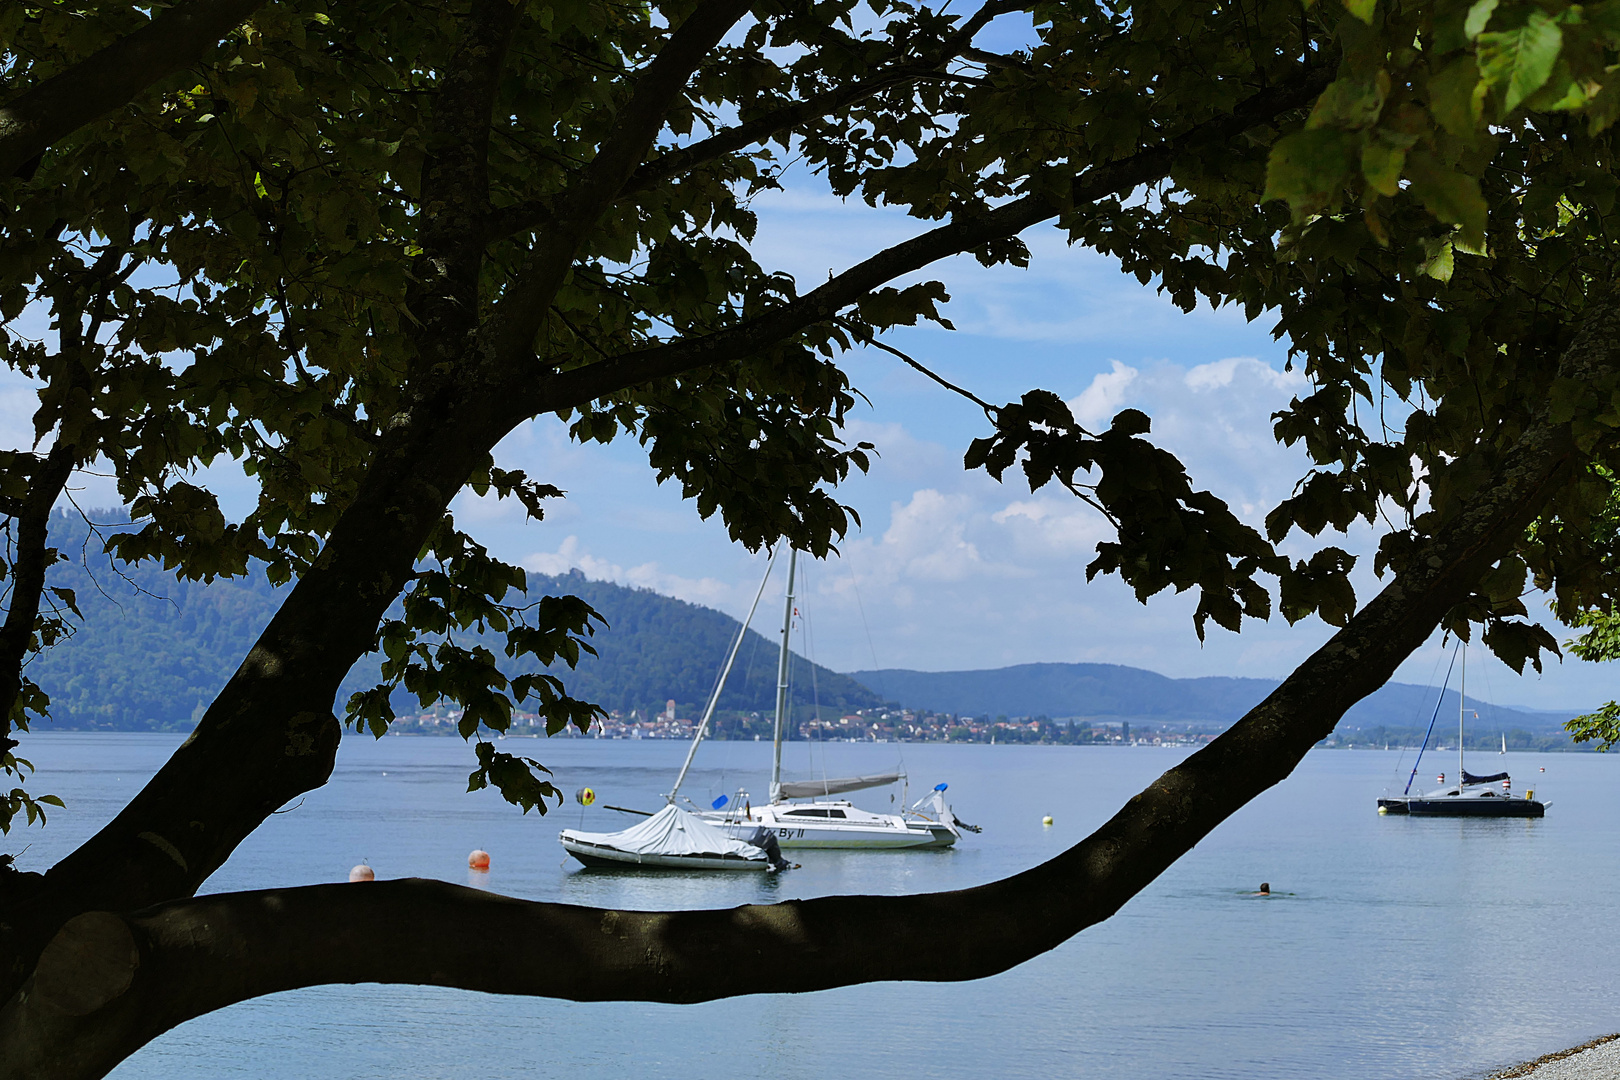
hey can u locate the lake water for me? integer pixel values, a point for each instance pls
(1398, 948)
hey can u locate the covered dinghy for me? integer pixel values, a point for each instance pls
(671, 839)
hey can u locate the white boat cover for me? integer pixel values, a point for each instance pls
(809, 789)
(672, 831)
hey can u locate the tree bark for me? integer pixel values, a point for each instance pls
(107, 984)
(34, 121)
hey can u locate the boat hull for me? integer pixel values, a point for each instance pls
(603, 856)
(1472, 807)
(838, 826)
(832, 838)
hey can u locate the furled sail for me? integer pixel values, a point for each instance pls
(1470, 778)
(809, 789)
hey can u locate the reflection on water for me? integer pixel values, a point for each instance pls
(1390, 947)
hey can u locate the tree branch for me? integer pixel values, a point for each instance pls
(275, 711)
(666, 166)
(45, 486)
(107, 984)
(581, 385)
(32, 122)
(597, 186)
(455, 187)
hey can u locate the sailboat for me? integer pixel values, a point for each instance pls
(675, 838)
(822, 821)
(1470, 796)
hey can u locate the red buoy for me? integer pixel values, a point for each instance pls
(362, 873)
(478, 860)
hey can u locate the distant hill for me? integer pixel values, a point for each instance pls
(1115, 692)
(154, 650)
(657, 647)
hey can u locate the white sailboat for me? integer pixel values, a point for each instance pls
(678, 839)
(745, 837)
(818, 820)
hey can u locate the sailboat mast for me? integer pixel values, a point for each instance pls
(782, 683)
(720, 685)
(1462, 703)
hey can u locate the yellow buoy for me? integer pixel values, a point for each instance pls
(1047, 820)
(584, 796)
(362, 873)
(478, 860)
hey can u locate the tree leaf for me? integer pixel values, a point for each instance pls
(1307, 169)
(1604, 108)
(1451, 196)
(1361, 9)
(1479, 16)
(1381, 165)
(1452, 99)
(1440, 261)
(1520, 61)
(1350, 103)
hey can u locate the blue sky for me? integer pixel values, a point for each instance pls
(950, 569)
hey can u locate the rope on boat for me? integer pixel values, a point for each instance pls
(1437, 703)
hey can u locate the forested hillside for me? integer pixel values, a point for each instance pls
(155, 650)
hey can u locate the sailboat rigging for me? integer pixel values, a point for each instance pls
(1470, 795)
(742, 836)
(824, 822)
(679, 839)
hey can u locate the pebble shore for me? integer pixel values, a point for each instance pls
(1595, 1060)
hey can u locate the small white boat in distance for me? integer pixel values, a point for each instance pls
(673, 839)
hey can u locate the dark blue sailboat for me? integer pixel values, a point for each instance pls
(1471, 796)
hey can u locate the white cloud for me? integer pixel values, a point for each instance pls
(926, 540)
(571, 555)
(1222, 373)
(1106, 395)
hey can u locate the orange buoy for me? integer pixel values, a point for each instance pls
(478, 860)
(362, 873)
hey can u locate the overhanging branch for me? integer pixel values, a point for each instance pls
(673, 163)
(107, 984)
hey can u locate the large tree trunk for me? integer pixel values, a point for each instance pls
(108, 983)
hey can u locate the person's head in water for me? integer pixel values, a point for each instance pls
(1265, 888)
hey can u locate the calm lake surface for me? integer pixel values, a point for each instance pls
(1397, 948)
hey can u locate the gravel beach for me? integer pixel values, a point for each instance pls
(1595, 1060)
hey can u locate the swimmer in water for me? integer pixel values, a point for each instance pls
(1265, 889)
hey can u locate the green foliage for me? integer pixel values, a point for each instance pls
(1601, 727)
(1601, 640)
(278, 259)
(1169, 534)
(514, 777)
